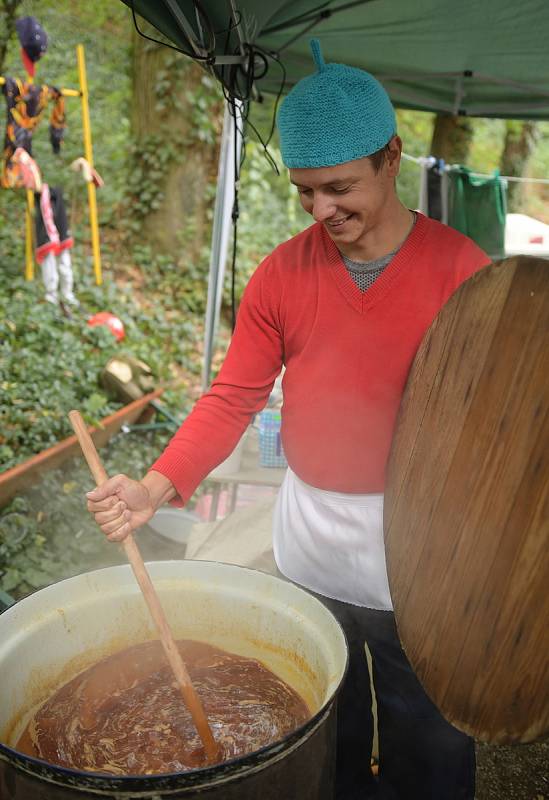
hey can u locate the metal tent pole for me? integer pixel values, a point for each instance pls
(224, 199)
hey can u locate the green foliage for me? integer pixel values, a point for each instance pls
(270, 213)
(178, 95)
(8, 15)
(536, 197)
(415, 129)
(47, 534)
(180, 283)
(150, 159)
(50, 364)
(103, 27)
(487, 146)
(12, 231)
(47, 366)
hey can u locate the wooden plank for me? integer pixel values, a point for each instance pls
(28, 472)
(466, 507)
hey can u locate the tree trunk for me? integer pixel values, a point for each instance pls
(176, 119)
(452, 137)
(520, 140)
(8, 9)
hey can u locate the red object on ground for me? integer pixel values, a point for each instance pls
(114, 324)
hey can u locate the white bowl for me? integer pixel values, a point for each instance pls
(173, 523)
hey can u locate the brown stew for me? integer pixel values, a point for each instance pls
(125, 715)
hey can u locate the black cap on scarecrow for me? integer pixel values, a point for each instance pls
(33, 40)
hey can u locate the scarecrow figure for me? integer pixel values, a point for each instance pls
(26, 104)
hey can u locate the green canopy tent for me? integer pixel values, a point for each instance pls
(486, 58)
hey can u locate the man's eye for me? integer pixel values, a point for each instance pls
(303, 191)
(341, 189)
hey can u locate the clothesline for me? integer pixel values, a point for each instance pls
(422, 160)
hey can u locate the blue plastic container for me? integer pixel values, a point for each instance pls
(271, 453)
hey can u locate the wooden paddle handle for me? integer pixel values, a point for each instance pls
(151, 598)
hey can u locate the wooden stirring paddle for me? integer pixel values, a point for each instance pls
(143, 578)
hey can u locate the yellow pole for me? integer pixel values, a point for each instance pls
(29, 219)
(92, 202)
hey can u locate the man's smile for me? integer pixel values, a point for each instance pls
(337, 223)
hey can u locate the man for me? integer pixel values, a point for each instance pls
(344, 306)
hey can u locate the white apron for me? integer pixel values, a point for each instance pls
(332, 543)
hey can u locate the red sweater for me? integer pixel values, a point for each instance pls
(347, 355)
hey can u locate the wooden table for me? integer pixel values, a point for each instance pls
(250, 473)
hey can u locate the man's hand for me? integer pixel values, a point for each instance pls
(120, 506)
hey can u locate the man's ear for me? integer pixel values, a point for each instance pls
(393, 154)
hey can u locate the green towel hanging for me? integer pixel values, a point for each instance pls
(478, 208)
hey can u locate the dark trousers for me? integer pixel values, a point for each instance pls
(421, 756)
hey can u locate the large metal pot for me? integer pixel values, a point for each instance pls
(50, 636)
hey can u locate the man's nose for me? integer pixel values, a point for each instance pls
(323, 207)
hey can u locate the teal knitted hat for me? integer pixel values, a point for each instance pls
(337, 115)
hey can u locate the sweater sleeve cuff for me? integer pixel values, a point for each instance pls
(181, 473)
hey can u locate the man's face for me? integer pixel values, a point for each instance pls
(350, 199)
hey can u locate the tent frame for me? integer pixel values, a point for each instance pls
(229, 153)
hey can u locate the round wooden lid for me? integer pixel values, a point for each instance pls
(466, 507)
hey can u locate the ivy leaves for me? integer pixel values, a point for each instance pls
(48, 365)
(47, 534)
